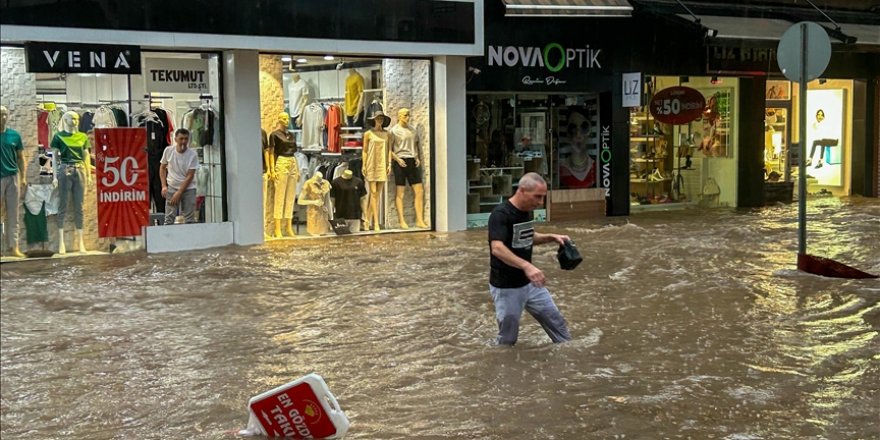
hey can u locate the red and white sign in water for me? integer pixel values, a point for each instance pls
(123, 186)
(677, 105)
(293, 412)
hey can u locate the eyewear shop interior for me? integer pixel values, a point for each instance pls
(346, 145)
(50, 205)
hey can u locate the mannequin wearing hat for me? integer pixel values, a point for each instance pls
(74, 173)
(312, 195)
(377, 162)
(282, 146)
(407, 167)
(13, 178)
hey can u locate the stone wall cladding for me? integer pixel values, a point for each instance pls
(271, 104)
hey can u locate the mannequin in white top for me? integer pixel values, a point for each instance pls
(298, 96)
(405, 155)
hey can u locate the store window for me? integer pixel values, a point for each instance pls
(56, 116)
(554, 135)
(688, 164)
(346, 145)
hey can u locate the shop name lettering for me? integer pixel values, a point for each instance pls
(743, 54)
(605, 157)
(95, 59)
(123, 196)
(292, 422)
(550, 81)
(552, 57)
(195, 78)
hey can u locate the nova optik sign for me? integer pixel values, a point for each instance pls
(553, 57)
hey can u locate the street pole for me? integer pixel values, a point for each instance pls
(802, 162)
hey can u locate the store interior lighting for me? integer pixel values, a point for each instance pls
(328, 57)
(285, 58)
(302, 60)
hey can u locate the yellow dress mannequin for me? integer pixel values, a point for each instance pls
(377, 163)
(313, 195)
(405, 153)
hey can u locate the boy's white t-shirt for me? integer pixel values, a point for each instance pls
(179, 164)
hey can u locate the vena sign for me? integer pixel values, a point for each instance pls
(82, 58)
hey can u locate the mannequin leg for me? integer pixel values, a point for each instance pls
(265, 201)
(289, 192)
(281, 171)
(375, 188)
(398, 201)
(419, 202)
(277, 232)
(61, 249)
(82, 243)
(11, 200)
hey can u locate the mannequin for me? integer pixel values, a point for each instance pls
(73, 170)
(13, 179)
(347, 193)
(268, 171)
(377, 163)
(283, 145)
(298, 96)
(407, 167)
(313, 193)
(354, 98)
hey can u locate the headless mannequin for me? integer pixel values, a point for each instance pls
(70, 123)
(312, 195)
(376, 186)
(418, 189)
(281, 184)
(354, 99)
(12, 211)
(303, 100)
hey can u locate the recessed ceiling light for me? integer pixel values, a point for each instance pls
(328, 57)
(302, 60)
(285, 58)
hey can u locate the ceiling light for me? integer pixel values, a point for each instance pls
(285, 58)
(302, 60)
(328, 57)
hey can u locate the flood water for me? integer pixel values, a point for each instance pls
(690, 324)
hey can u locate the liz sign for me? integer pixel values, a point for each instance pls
(121, 162)
(82, 58)
(677, 105)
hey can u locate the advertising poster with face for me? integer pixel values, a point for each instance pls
(577, 151)
(825, 136)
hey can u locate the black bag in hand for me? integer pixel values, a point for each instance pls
(568, 256)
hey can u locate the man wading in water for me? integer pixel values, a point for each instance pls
(514, 282)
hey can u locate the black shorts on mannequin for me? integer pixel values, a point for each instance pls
(410, 173)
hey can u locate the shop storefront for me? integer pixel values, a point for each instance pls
(232, 90)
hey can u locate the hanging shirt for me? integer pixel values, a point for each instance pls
(312, 122)
(10, 146)
(354, 88)
(404, 142)
(43, 128)
(295, 93)
(333, 122)
(283, 143)
(85, 122)
(179, 165)
(71, 145)
(347, 194)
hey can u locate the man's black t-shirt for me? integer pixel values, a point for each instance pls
(516, 229)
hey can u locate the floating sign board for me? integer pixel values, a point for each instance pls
(123, 187)
(677, 105)
(176, 75)
(300, 409)
(632, 89)
(82, 58)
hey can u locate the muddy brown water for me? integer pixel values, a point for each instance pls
(689, 324)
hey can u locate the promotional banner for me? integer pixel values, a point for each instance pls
(176, 75)
(677, 105)
(121, 167)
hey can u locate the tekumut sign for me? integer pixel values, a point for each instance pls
(176, 75)
(82, 58)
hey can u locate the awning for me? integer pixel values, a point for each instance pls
(750, 28)
(568, 8)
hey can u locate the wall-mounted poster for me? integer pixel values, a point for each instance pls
(778, 90)
(825, 142)
(577, 150)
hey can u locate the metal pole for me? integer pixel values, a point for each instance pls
(802, 163)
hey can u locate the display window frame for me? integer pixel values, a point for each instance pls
(95, 95)
(384, 87)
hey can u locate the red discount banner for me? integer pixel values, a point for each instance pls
(123, 198)
(677, 105)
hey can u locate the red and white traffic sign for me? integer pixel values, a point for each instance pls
(300, 409)
(677, 105)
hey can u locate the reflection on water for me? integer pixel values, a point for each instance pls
(687, 325)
